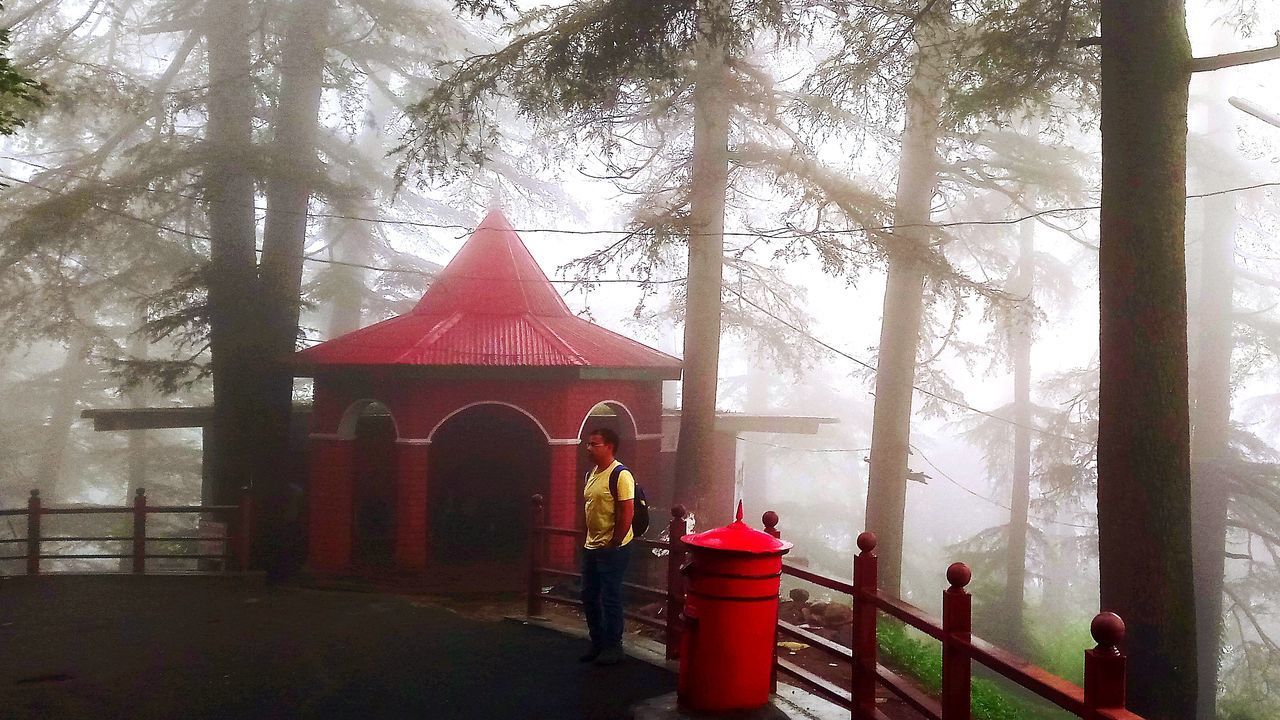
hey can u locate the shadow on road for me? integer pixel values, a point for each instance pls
(230, 648)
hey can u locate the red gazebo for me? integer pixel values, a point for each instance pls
(431, 430)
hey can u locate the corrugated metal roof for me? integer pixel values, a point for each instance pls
(492, 306)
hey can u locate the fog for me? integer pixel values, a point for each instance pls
(107, 225)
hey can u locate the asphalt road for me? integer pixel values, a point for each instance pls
(106, 647)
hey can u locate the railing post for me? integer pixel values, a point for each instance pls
(865, 649)
(244, 533)
(140, 532)
(676, 530)
(33, 533)
(536, 520)
(957, 631)
(770, 520)
(1104, 666)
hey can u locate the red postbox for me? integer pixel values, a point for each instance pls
(731, 612)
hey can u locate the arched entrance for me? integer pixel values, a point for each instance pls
(616, 417)
(372, 429)
(485, 462)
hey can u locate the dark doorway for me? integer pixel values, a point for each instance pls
(485, 464)
(373, 543)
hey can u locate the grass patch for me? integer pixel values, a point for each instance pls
(1059, 648)
(921, 659)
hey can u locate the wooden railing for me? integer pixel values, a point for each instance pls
(1101, 698)
(235, 542)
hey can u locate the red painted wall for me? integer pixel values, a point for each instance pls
(418, 407)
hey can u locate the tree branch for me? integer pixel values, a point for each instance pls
(1245, 106)
(1253, 620)
(1246, 57)
(1257, 278)
(1254, 531)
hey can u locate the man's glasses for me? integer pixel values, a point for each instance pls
(594, 445)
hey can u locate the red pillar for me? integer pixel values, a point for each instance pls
(330, 505)
(411, 504)
(564, 504)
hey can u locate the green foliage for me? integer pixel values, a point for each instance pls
(1005, 57)
(590, 64)
(921, 659)
(1059, 644)
(19, 93)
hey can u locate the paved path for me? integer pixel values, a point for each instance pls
(106, 647)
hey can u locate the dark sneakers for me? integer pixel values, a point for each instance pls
(611, 655)
(590, 655)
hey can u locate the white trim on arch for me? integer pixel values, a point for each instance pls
(431, 435)
(347, 423)
(635, 429)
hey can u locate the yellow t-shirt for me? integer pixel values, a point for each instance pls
(599, 504)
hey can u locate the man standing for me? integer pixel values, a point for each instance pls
(604, 561)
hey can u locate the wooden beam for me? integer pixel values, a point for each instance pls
(1255, 110)
(1246, 57)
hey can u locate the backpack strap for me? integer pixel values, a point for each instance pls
(613, 480)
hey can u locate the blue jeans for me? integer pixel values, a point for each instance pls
(602, 572)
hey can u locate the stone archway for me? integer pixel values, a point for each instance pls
(486, 460)
(372, 431)
(617, 417)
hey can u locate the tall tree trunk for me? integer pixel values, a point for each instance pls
(136, 449)
(355, 239)
(1020, 340)
(1211, 421)
(347, 311)
(755, 457)
(62, 415)
(232, 281)
(136, 440)
(289, 187)
(1144, 484)
(903, 313)
(695, 455)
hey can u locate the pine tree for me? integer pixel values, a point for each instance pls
(19, 93)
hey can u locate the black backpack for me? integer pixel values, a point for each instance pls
(640, 520)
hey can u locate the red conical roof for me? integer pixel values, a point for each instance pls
(491, 306)
(493, 274)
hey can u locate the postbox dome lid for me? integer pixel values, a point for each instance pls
(738, 537)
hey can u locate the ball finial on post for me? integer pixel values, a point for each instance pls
(1107, 630)
(678, 512)
(770, 520)
(959, 575)
(867, 542)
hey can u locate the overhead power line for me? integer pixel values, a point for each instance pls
(745, 299)
(781, 233)
(917, 388)
(993, 501)
(802, 449)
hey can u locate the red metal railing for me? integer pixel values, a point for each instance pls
(1101, 698)
(235, 543)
